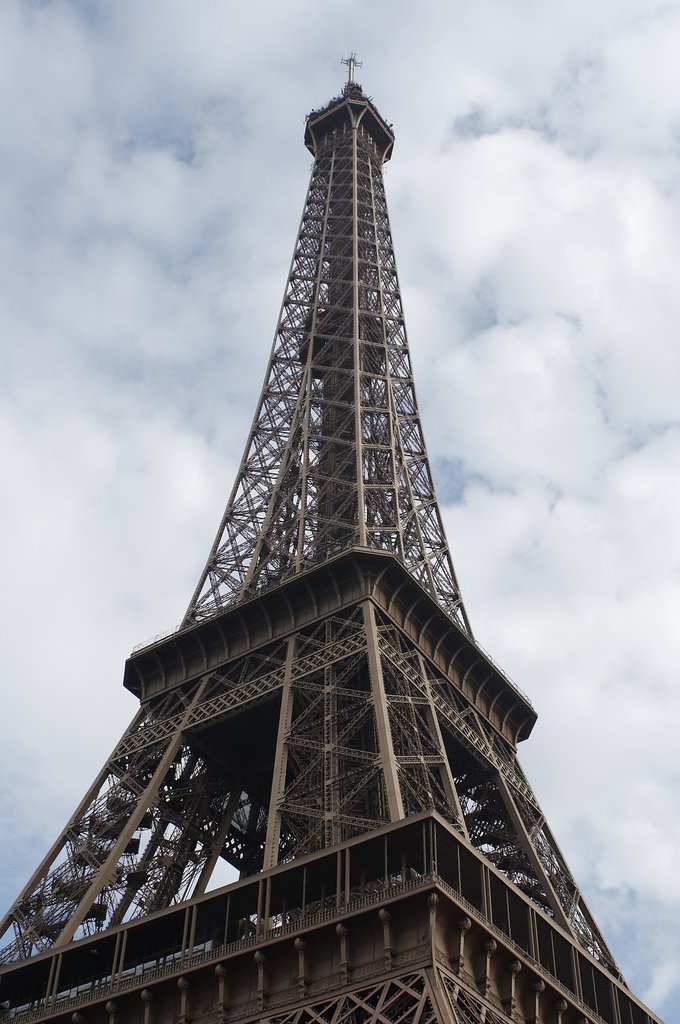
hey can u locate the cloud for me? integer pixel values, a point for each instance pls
(154, 174)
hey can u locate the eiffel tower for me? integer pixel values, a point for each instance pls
(323, 721)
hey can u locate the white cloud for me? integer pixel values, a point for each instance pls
(153, 176)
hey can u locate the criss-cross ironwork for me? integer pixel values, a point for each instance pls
(336, 456)
(324, 691)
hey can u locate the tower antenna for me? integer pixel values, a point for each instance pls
(352, 64)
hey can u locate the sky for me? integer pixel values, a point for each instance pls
(153, 179)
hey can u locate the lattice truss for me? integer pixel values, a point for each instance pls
(413, 998)
(356, 749)
(168, 803)
(405, 1000)
(501, 814)
(337, 730)
(467, 1007)
(336, 455)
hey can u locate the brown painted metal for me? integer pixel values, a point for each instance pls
(408, 923)
(336, 456)
(324, 688)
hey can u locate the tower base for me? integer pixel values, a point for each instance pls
(408, 924)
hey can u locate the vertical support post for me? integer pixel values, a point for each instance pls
(49, 989)
(260, 894)
(423, 832)
(303, 981)
(222, 1003)
(338, 879)
(433, 850)
(384, 918)
(576, 972)
(267, 902)
(345, 967)
(183, 986)
(385, 745)
(226, 920)
(486, 893)
(123, 950)
(432, 904)
(116, 956)
(185, 932)
(260, 961)
(192, 929)
(54, 978)
(278, 790)
(333, 830)
(358, 403)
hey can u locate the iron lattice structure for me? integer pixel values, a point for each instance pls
(336, 456)
(324, 687)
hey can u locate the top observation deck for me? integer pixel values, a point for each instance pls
(351, 108)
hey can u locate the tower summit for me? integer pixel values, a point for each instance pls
(323, 721)
(336, 457)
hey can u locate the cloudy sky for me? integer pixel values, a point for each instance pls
(153, 179)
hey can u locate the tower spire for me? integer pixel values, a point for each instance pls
(336, 456)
